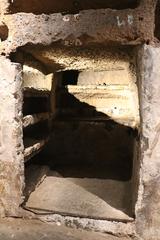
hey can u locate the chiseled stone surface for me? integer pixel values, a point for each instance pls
(126, 26)
(57, 58)
(117, 102)
(148, 205)
(11, 145)
(34, 78)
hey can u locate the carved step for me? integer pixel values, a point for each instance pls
(35, 118)
(33, 147)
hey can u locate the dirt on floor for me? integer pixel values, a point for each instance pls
(32, 229)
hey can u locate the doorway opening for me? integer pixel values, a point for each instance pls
(80, 156)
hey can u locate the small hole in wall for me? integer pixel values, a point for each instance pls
(148, 42)
(141, 18)
(3, 32)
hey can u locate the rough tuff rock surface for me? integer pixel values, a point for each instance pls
(147, 209)
(127, 26)
(11, 145)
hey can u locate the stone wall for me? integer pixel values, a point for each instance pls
(11, 145)
(147, 209)
(109, 26)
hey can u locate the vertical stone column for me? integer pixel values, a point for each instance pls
(11, 144)
(148, 204)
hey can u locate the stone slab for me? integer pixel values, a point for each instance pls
(116, 102)
(92, 198)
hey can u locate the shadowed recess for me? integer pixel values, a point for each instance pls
(68, 6)
(3, 32)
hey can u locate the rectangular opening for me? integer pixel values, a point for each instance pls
(85, 167)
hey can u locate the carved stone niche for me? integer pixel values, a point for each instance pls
(87, 139)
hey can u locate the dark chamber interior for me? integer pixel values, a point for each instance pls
(86, 148)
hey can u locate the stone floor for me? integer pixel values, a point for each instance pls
(32, 229)
(93, 198)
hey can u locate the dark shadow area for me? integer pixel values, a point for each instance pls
(157, 21)
(68, 6)
(33, 105)
(70, 77)
(86, 149)
(40, 130)
(86, 143)
(3, 32)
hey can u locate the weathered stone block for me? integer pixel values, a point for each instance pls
(108, 26)
(11, 145)
(147, 208)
